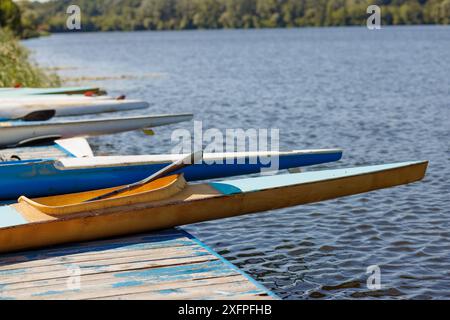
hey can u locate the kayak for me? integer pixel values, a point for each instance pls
(37, 178)
(63, 148)
(171, 201)
(11, 109)
(38, 91)
(23, 133)
(51, 97)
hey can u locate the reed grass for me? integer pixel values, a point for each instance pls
(16, 68)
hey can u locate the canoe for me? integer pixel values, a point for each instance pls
(38, 91)
(171, 201)
(39, 178)
(63, 148)
(23, 133)
(11, 109)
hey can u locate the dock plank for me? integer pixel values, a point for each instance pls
(170, 264)
(102, 258)
(156, 275)
(218, 288)
(24, 275)
(163, 239)
(94, 286)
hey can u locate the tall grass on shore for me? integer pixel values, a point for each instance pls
(16, 67)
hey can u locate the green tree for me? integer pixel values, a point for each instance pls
(10, 16)
(15, 66)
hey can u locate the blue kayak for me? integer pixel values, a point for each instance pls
(38, 178)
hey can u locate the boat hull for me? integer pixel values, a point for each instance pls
(40, 91)
(44, 178)
(10, 110)
(17, 133)
(197, 203)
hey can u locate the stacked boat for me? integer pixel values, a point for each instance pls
(59, 192)
(25, 112)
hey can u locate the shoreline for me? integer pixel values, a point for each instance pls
(19, 69)
(444, 26)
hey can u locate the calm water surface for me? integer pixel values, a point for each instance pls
(381, 95)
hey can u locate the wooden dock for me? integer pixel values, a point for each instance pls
(171, 264)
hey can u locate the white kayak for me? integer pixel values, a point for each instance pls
(23, 133)
(18, 108)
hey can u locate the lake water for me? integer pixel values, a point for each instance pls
(382, 96)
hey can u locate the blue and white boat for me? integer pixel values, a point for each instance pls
(37, 178)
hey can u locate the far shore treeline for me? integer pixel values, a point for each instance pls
(110, 15)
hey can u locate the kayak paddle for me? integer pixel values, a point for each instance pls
(177, 165)
(42, 115)
(148, 132)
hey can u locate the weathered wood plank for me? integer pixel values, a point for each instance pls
(189, 272)
(25, 275)
(106, 288)
(111, 257)
(217, 290)
(92, 248)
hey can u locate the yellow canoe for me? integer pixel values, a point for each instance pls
(170, 201)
